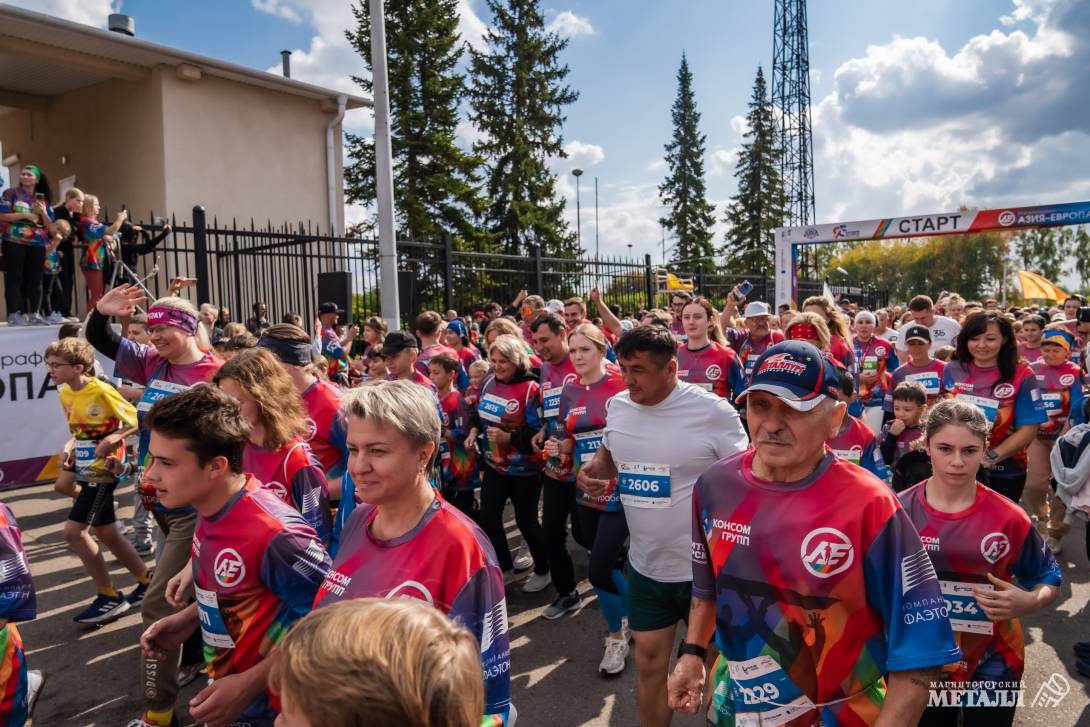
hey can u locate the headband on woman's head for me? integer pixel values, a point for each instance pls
(33, 169)
(803, 332)
(293, 353)
(164, 316)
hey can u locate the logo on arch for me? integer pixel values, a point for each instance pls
(1007, 218)
(1003, 391)
(994, 546)
(827, 552)
(713, 372)
(229, 568)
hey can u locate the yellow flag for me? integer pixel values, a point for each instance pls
(673, 282)
(1036, 287)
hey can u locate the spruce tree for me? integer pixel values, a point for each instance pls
(760, 204)
(1081, 253)
(690, 216)
(517, 99)
(435, 181)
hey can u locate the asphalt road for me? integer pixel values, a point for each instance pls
(92, 674)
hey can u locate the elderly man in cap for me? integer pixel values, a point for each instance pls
(750, 342)
(825, 604)
(334, 348)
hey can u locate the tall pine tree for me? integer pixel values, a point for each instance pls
(760, 204)
(690, 216)
(435, 181)
(1081, 253)
(517, 99)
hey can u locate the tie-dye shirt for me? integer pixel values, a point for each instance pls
(876, 356)
(458, 464)
(857, 444)
(929, 377)
(715, 368)
(144, 366)
(822, 586)
(22, 232)
(553, 379)
(256, 568)
(446, 561)
(335, 356)
(1007, 405)
(1062, 395)
(93, 234)
(94, 412)
(294, 475)
(583, 416)
(18, 602)
(994, 535)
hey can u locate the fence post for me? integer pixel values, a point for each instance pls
(698, 283)
(200, 255)
(648, 281)
(538, 278)
(448, 271)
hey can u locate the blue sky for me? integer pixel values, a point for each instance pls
(918, 107)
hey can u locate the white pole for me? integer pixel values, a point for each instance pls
(384, 173)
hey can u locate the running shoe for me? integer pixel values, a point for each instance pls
(1054, 545)
(35, 319)
(16, 319)
(613, 661)
(188, 673)
(523, 561)
(103, 609)
(144, 550)
(56, 318)
(562, 605)
(136, 595)
(536, 583)
(143, 721)
(34, 681)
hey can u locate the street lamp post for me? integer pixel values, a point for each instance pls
(578, 230)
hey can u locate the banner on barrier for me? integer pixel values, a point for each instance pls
(36, 429)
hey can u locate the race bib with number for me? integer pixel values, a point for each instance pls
(1053, 401)
(552, 402)
(855, 456)
(213, 629)
(965, 613)
(929, 380)
(492, 408)
(586, 444)
(751, 362)
(644, 485)
(85, 454)
(870, 363)
(990, 407)
(760, 693)
(157, 390)
(444, 452)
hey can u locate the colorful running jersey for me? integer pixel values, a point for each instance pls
(18, 602)
(430, 352)
(856, 444)
(929, 377)
(993, 536)
(898, 445)
(144, 366)
(715, 368)
(842, 353)
(515, 407)
(467, 355)
(256, 568)
(93, 413)
(458, 464)
(1030, 355)
(1006, 404)
(583, 417)
(1062, 394)
(821, 587)
(553, 379)
(336, 357)
(93, 234)
(446, 561)
(326, 427)
(879, 357)
(295, 476)
(749, 349)
(23, 232)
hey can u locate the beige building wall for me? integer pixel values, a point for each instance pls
(111, 133)
(243, 151)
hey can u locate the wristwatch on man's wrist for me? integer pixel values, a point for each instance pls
(692, 649)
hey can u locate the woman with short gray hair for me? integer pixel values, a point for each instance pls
(405, 541)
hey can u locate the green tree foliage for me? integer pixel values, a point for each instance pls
(690, 216)
(435, 181)
(760, 205)
(971, 265)
(517, 99)
(1044, 250)
(1081, 253)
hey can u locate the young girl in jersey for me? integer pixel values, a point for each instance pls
(978, 540)
(277, 455)
(705, 359)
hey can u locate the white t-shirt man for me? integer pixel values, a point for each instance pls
(943, 330)
(660, 451)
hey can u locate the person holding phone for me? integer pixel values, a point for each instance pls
(26, 228)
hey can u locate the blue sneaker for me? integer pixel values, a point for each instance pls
(136, 595)
(103, 609)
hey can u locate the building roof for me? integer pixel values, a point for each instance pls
(43, 56)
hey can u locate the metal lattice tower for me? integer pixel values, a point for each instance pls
(791, 99)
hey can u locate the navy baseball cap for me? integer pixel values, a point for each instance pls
(796, 373)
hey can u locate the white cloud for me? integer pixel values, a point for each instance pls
(87, 12)
(279, 9)
(659, 165)
(722, 161)
(581, 154)
(569, 25)
(470, 26)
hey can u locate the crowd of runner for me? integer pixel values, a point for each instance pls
(849, 509)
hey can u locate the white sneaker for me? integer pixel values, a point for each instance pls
(16, 319)
(35, 319)
(1054, 545)
(34, 681)
(536, 583)
(613, 660)
(523, 561)
(55, 318)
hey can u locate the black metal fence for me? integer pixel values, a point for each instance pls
(237, 265)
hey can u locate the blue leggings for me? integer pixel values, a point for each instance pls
(607, 531)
